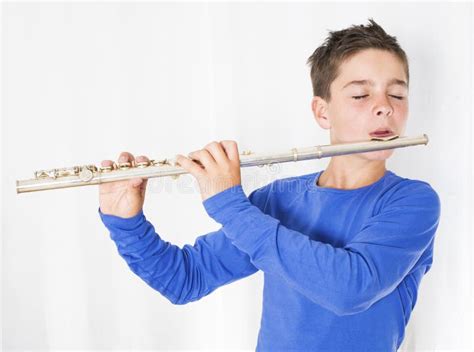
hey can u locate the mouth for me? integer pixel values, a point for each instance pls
(382, 132)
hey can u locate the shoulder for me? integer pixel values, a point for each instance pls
(402, 186)
(402, 191)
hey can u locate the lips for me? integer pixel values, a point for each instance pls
(382, 132)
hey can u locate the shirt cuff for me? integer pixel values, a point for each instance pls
(223, 206)
(126, 224)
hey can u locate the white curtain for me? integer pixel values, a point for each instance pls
(82, 82)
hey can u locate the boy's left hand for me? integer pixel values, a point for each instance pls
(216, 167)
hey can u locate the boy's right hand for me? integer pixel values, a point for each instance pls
(123, 198)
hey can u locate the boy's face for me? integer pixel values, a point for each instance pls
(352, 119)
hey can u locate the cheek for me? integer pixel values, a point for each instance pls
(348, 109)
(350, 119)
(357, 110)
(401, 113)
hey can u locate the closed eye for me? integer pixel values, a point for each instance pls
(363, 96)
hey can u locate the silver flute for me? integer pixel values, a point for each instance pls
(92, 175)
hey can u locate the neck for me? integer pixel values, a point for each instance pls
(349, 172)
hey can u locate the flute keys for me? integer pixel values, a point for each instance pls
(86, 174)
(45, 174)
(92, 168)
(67, 171)
(106, 169)
(55, 173)
(162, 162)
(125, 166)
(143, 164)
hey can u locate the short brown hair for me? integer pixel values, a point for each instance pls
(341, 45)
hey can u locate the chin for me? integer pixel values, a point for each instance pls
(379, 155)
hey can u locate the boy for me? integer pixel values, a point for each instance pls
(342, 250)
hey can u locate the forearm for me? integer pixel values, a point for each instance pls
(345, 280)
(164, 266)
(182, 275)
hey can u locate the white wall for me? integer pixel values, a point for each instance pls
(83, 82)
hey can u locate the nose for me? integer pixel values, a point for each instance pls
(383, 107)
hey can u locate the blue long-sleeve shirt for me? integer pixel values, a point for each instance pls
(341, 267)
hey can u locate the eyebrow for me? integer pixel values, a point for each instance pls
(393, 81)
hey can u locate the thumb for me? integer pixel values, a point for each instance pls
(143, 187)
(135, 183)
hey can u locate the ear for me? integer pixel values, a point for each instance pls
(320, 112)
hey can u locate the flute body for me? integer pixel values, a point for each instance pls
(91, 175)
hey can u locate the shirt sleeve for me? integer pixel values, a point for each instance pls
(185, 274)
(344, 280)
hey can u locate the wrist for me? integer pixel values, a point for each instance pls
(124, 223)
(125, 215)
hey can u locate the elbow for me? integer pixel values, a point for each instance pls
(343, 304)
(177, 301)
(167, 293)
(347, 304)
(359, 297)
(351, 307)
(359, 300)
(177, 295)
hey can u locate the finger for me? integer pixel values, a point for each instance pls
(125, 157)
(189, 165)
(103, 186)
(204, 157)
(141, 158)
(106, 163)
(217, 152)
(231, 149)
